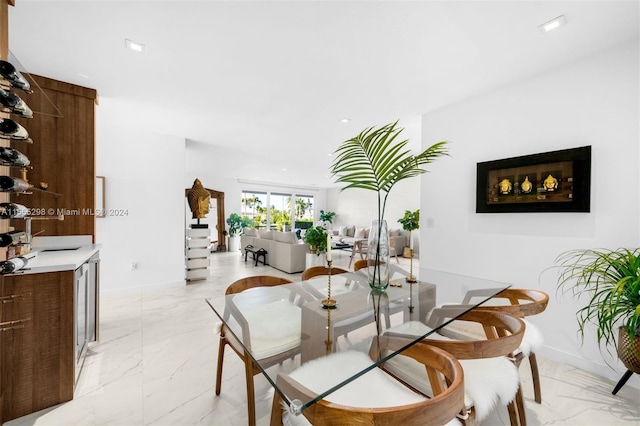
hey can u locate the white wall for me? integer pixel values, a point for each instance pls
(594, 102)
(144, 175)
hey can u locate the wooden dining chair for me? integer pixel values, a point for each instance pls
(375, 398)
(521, 303)
(363, 263)
(314, 271)
(275, 344)
(491, 378)
(392, 249)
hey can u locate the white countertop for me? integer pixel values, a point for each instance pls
(61, 260)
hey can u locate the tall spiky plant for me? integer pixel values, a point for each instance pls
(375, 161)
(611, 281)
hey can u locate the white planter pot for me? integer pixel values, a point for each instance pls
(234, 242)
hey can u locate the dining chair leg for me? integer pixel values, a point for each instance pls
(276, 410)
(520, 405)
(251, 404)
(535, 375)
(221, 347)
(513, 413)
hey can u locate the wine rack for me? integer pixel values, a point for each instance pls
(12, 81)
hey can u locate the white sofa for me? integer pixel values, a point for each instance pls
(350, 233)
(284, 251)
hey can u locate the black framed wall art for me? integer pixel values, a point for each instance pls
(557, 181)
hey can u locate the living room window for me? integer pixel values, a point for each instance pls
(254, 206)
(274, 210)
(304, 209)
(280, 211)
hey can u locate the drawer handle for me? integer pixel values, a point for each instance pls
(13, 325)
(14, 297)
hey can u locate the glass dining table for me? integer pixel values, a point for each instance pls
(271, 319)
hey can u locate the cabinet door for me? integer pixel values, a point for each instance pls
(38, 359)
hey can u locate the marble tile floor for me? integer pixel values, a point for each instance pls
(156, 359)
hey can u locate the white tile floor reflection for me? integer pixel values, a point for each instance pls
(155, 365)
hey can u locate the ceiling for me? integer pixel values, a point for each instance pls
(261, 86)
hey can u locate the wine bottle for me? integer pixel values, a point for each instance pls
(11, 75)
(13, 184)
(12, 265)
(13, 211)
(12, 237)
(13, 157)
(9, 129)
(14, 104)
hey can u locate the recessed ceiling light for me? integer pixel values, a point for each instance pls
(135, 46)
(553, 24)
(345, 120)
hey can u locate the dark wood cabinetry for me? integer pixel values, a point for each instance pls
(63, 156)
(38, 356)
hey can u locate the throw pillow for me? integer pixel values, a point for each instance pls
(359, 233)
(293, 238)
(266, 234)
(351, 230)
(343, 231)
(394, 232)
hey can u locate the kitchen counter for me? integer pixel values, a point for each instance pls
(54, 260)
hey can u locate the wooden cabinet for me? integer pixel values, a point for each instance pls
(47, 321)
(62, 155)
(38, 363)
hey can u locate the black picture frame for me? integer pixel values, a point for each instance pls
(556, 181)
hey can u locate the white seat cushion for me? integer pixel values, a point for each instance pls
(487, 381)
(323, 373)
(532, 339)
(274, 328)
(373, 389)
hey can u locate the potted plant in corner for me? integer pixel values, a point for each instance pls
(326, 218)
(610, 279)
(410, 222)
(236, 224)
(316, 237)
(375, 161)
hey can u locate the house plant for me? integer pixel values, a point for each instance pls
(610, 279)
(326, 218)
(410, 222)
(375, 161)
(316, 237)
(236, 224)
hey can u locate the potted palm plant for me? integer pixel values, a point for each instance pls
(316, 237)
(610, 280)
(375, 161)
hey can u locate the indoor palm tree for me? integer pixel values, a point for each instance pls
(374, 160)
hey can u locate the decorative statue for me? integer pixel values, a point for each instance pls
(526, 186)
(505, 186)
(199, 200)
(550, 183)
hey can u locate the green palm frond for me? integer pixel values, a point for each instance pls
(375, 161)
(611, 281)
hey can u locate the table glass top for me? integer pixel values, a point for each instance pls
(290, 319)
